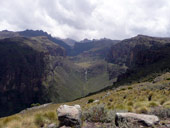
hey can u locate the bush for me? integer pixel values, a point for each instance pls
(50, 116)
(130, 103)
(99, 113)
(143, 110)
(153, 104)
(160, 112)
(168, 79)
(130, 88)
(90, 101)
(162, 101)
(39, 120)
(34, 105)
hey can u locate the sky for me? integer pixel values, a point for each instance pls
(92, 19)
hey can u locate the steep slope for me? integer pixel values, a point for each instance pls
(35, 70)
(142, 55)
(144, 98)
(7, 34)
(35, 33)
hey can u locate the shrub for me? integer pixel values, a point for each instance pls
(90, 101)
(50, 116)
(130, 103)
(130, 109)
(162, 101)
(99, 113)
(143, 110)
(122, 89)
(39, 120)
(166, 104)
(153, 104)
(168, 79)
(160, 112)
(34, 105)
(130, 88)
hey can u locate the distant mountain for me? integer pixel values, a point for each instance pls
(100, 47)
(8, 34)
(69, 41)
(32, 33)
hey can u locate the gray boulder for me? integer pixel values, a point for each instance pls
(69, 116)
(146, 120)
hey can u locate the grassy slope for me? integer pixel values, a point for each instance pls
(133, 98)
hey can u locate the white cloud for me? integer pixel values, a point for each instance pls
(78, 19)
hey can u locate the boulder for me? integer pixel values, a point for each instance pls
(69, 116)
(52, 126)
(146, 120)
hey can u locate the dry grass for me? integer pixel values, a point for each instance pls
(140, 98)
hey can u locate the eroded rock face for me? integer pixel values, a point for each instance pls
(143, 119)
(69, 115)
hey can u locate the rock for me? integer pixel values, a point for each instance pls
(52, 126)
(35, 108)
(69, 116)
(65, 127)
(96, 125)
(96, 101)
(146, 120)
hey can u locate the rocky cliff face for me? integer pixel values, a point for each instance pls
(142, 55)
(22, 72)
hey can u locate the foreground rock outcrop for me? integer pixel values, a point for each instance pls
(69, 116)
(143, 119)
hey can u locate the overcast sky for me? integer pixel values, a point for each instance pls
(79, 19)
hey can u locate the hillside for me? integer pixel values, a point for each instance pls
(142, 55)
(147, 97)
(43, 71)
(40, 71)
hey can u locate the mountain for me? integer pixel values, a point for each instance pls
(93, 47)
(69, 41)
(23, 71)
(142, 55)
(34, 69)
(7, 34)
(35, 33)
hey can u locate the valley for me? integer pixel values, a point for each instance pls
(131, 75)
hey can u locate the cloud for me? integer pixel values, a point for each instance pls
(79, 19)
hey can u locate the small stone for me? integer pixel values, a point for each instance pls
(52, 126)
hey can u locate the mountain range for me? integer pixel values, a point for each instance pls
(38, 68)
